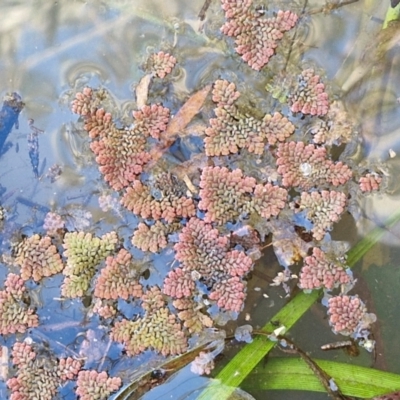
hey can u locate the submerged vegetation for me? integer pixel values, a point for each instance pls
(205, 186)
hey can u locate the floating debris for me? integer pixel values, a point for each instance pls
(9, 113)
(244, 333)
(54, 172)
(33, 146)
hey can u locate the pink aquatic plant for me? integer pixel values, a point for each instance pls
(38, 257)
(15, 314)
(224, 93)
(201, 248)
(82, 104)
(38, 377)
(256, 37)
(276, 128)
(99, 124)
(370, 182)
(179, 283)
(205, 254)
(153, 238)
(172, 203)
(152, 120)
(84, 252)
(118, 279)
(348, 315)
(120, 153)
(229, 293)
(189, 312)
(203, 364)
(322, 209)
(121, 157)
(93, 385)
(53, 223)
(158, 329)
(161, 63)
(139, 200)
(269, 200)
(307, 166)
(320, 272)
(68, 368)
(104, 308)
(309, 96)
(231, 130)
(336, 128)
(227, 195)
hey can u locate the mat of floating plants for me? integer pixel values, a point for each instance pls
(179, 218)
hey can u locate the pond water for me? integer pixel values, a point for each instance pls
(51, 50)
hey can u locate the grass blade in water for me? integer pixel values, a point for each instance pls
(294, 374)
(233, 374)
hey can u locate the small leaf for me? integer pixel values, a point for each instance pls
(186, 113)
(142, 91)
(178, 123)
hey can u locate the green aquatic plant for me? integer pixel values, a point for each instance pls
(84, 252)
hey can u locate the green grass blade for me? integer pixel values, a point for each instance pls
(294, 374)
(244, 362)
(233, 374)
(392, 14)
(361, 248)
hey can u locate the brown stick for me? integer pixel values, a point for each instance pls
(202, 13)
(321, 375)
(332, 6)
